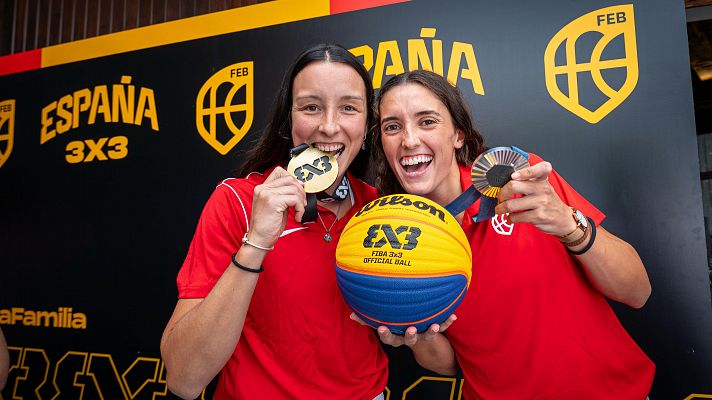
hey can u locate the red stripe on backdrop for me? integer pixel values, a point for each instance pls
(20, 62)
(342, 6)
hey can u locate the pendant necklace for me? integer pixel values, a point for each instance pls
(327, 236)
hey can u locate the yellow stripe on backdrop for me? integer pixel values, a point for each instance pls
(202, 26)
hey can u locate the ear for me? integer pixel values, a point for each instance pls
(459, 139)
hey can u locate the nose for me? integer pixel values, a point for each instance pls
(410, 139)
(329, 124)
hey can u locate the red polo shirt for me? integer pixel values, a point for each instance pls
(298, 340)
(532, 326)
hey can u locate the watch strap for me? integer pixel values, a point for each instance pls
(579, 227)
(592, 228)
(586, 232)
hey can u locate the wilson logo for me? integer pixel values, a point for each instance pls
(306, 172)
(379, 235)
(402, 201)
(610, 69)
(7, 129)
(224, 107)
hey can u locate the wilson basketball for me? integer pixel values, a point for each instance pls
(402, 261)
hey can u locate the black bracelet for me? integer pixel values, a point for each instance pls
(244, 268)
(590, 241)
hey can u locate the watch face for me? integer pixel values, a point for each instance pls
(581, 219)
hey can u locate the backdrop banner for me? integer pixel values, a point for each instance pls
(110, 147)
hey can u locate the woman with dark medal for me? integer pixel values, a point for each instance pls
(535, 323)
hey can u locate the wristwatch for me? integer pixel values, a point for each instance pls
(581, 225)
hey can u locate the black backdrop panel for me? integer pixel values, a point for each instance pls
(98, 243)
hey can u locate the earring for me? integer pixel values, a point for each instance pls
(363, 143)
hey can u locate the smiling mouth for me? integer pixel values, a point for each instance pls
(335, 149)
(415, 163)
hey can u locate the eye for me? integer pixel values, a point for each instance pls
(350, 108)
(428, 121)
(310, 108)
(391, 128)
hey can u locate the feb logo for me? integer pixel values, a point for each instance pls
(7, 129)
(609, 64)
(224, 108)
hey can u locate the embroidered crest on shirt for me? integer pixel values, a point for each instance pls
(500, 225)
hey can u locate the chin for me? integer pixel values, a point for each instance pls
(344, 161)
(416, 189)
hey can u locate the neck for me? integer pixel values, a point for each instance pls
(330, 190)
(449, 189)
(339, 208)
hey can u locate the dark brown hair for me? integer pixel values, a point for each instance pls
(276, 140)
(450, 96)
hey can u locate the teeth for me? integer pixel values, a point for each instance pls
(329, 147)
(415, 160)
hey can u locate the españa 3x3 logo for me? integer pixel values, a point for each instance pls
(614, 55)
(121, 103)
(222, 125)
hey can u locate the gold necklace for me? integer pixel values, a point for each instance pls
(327, 236)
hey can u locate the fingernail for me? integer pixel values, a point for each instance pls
(515, 175)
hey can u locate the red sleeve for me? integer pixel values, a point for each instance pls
(222, 224)
(568, 195)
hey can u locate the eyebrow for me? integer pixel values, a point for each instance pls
(418, 114)
(389, 119)
(316, 97)
(427, 112)
(352, 97)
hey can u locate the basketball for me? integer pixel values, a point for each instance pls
(402, 261)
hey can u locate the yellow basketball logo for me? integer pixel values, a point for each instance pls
(318, 170)
(224, 108)
(7, 129)
(386, 234)
(610, 23)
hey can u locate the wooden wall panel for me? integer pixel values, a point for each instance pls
(158, 11)
(144, 13)
(18, 27)
(32, 24)
(54, 23)
(104, 17)
(67, 24)
(697, 3)
(42, 24)
(6, 19)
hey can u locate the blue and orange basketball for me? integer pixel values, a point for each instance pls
(402, 261)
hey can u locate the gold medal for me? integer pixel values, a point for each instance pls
(493, 169)
(317, 169)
